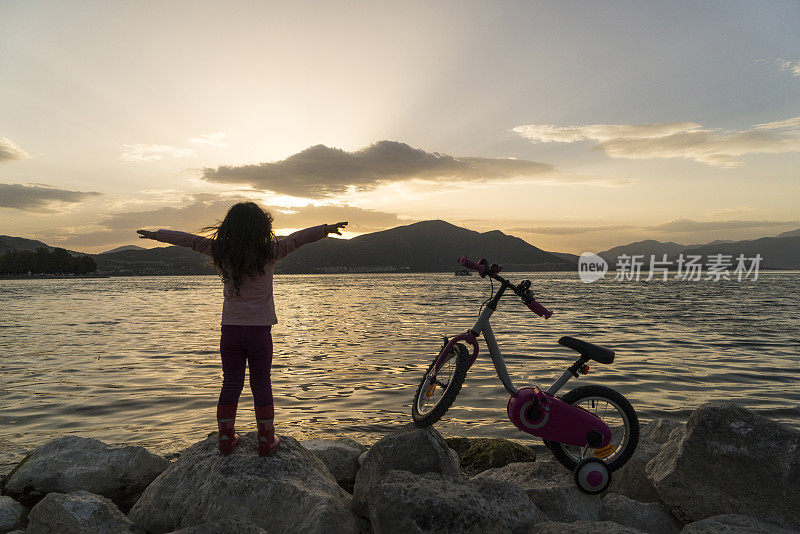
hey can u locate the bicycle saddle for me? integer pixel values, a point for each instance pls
(588, 350)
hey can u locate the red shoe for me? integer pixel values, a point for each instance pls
(226, 422)
(268, 442)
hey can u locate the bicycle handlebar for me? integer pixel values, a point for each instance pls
(469, 264)
(523, 292)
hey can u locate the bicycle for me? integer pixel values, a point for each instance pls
(589, 441)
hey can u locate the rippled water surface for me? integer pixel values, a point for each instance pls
(135, 360)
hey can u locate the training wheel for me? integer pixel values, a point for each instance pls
(592, 476)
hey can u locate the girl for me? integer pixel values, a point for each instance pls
(244, 251)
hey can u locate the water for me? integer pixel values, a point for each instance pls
(134, 360)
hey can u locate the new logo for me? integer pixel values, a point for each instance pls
(591, 267)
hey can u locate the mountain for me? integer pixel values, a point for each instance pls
(791, 233)
(643, 248)
(777, 252)
(13, 244)
(426, 246)
(125, 247)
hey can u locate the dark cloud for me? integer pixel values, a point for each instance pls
(10, 151)
(321, 171)
(687, 225)
(38, 197)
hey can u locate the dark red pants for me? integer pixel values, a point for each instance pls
(239, 345)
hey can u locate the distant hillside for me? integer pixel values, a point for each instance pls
(14, 244)
(643, 248)
(427, 246)
(125, 247)
(791, 233)
(573, 258)
(777, 252)
(160, 260)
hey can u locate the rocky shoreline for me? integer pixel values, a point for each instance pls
(726, 470)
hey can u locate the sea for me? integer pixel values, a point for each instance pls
(134, 360)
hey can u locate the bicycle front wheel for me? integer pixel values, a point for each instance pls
(439, 389)
(615, 411)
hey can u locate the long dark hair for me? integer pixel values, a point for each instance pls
(242, 243)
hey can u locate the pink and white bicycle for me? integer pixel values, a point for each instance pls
(591, 430)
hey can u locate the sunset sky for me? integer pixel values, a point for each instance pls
(577, 126)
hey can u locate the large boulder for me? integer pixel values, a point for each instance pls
(550, 487)
(224, 526)
(479, 454)
(410, 448)
(631, 479)
(340, 456)
(402, 502)
(728, 459)
(73, 463)
(651, 517)
(79, 512)
(291, 491)
(12, 514)
(732, 524)
(584, 527)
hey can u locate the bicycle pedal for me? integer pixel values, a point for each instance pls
(604, 452)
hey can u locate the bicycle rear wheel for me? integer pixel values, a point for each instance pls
(615, 411)
(437, 391)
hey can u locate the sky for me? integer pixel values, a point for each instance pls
(576, 126)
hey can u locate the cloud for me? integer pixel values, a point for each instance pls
(787, 66)
(38, 197)
(570, 230)
(153, 152)
(687, 140)
(320, 171)
(210, 139)
(688, 225)
(9, 151)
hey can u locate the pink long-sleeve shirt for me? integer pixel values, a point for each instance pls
(254, 305)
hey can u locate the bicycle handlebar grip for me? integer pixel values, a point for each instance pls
(539, 310)
(469, 264)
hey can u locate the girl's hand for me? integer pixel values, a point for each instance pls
(334, 228)
(146, 234)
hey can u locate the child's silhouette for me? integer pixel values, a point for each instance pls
(244, 250)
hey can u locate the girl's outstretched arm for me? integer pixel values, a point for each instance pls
(296, 240)
(182, 239)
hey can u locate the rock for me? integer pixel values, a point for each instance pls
(657, 430)
(224, 526)
(731, 524)
(410, 448)
(291, 491)
(12, 514)
(631, 479)
(340, 456)
(728, 458)
(550, 487)
(403, 502)
(72, 463)
(479, 454)
(650, 517)
(361, 458)
(584, 527)
(79, 512)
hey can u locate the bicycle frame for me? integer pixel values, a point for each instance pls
(482, 326)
